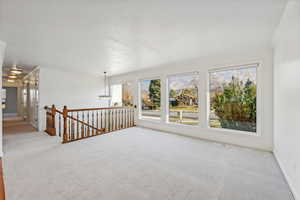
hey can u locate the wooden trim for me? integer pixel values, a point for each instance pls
(2, 188)
(91, 109)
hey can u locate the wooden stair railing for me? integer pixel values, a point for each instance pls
(77, 124)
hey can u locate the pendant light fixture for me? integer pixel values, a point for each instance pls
(106, 94)
(15, 70)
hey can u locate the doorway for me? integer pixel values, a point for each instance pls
(9, 102)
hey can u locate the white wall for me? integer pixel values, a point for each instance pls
(241, 56)
(75, 90)
(2, 50)
(287, 95)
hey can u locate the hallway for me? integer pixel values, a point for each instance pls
(14, 129)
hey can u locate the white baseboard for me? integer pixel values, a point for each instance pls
(288, 180)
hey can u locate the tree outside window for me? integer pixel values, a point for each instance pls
(233, 99)
(150, 98)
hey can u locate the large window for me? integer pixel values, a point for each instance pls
(150, 94)
(233, 98)
(183, 99)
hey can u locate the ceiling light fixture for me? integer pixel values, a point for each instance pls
(15, 70)
(106, 86)
(12, 76)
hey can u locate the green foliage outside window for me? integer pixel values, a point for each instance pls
(235, 105)
(154, 93)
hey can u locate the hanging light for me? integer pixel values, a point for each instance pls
(106, 94)
(12, 76)
(15, 70)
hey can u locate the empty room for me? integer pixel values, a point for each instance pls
(159, 99)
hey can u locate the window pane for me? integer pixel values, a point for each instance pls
(127, 95)
(233, 99)
(183, 99)
(150, 99)
(116, 95)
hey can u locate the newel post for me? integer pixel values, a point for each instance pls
(53, 112)
(65, 133)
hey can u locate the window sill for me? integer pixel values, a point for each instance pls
(153, 120)
(236, 132)
(182, 125)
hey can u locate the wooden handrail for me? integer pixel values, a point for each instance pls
(73, 118)
(87, 122)
(91, 109)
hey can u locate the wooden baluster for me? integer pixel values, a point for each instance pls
(59, 125)
(132, 116)
(108, 120)
(93, 123)
(88, 122)
(114, 120)
(53, 112)
(65, 133)
(121, 119)
(118, 119)
(73, 127)
(68, 121)
(101, 120)
(77, 135)
(124, 118)
(104, 120)
(128, 117)
(83, 115)
(82, 131)
(97, 119)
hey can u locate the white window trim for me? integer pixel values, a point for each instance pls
(140, 117)
(258, 98)
(167, 99)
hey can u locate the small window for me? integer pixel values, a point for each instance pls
(183, 99)
(233, 96)
(116, 95)
(150, 98)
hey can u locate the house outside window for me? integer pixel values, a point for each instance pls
(183, 99)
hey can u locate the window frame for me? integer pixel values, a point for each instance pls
(111, 89)
(167, 121)
(257, 65)
(140, 116)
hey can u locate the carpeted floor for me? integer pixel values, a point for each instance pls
(139, 164)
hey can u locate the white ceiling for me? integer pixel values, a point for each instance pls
(127, 35)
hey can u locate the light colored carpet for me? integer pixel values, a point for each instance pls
(139, 164)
